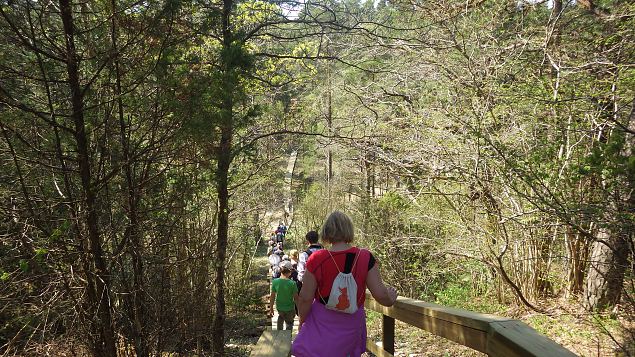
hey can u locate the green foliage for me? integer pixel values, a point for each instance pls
(455, 295)
(569, 327)
(372, 317)
(24, 265)
(461, 293)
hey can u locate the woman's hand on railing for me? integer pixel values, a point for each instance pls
(392, 294)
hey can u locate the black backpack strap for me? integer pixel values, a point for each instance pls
(312, 249)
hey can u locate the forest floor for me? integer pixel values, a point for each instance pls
(581, 332)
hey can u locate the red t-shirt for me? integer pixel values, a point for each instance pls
(324, 269)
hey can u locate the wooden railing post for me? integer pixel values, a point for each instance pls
(388, 334)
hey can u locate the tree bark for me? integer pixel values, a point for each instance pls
(98, 293)
(610, 251)
(222, 170)
(329, 125)
(222, 180)
(607, 266)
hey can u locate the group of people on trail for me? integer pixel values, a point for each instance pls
(279, 234)
(276, 250)
(287, 269)
(328, 292)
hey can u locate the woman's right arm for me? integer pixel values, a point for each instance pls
(305, 299)
(384, 295)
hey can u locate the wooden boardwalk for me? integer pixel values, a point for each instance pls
(274, 342)
(274, 323)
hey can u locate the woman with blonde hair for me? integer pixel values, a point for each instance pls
(331, 302)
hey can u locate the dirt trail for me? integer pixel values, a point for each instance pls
(284, 211)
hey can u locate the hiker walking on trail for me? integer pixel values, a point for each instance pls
(293, 257)
(281, 229)
(313, 245)
(331, 302)
(280, 239)
(274, 265)
(284, 292)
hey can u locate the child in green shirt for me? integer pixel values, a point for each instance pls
(284, 292)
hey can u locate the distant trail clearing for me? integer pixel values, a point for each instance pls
(283, 211)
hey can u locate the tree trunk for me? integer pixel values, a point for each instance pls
(132, 231)
(609, 257)
(224, 160)
(611, 250)
(329, 125)
(98, 293)
(222, 172)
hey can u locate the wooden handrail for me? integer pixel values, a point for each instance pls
(490, 334)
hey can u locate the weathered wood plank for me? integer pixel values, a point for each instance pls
(515, 338)
(465, 335)
(471, 319)
(273, 343)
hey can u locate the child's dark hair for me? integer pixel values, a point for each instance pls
(285, 271)
(312, 237)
